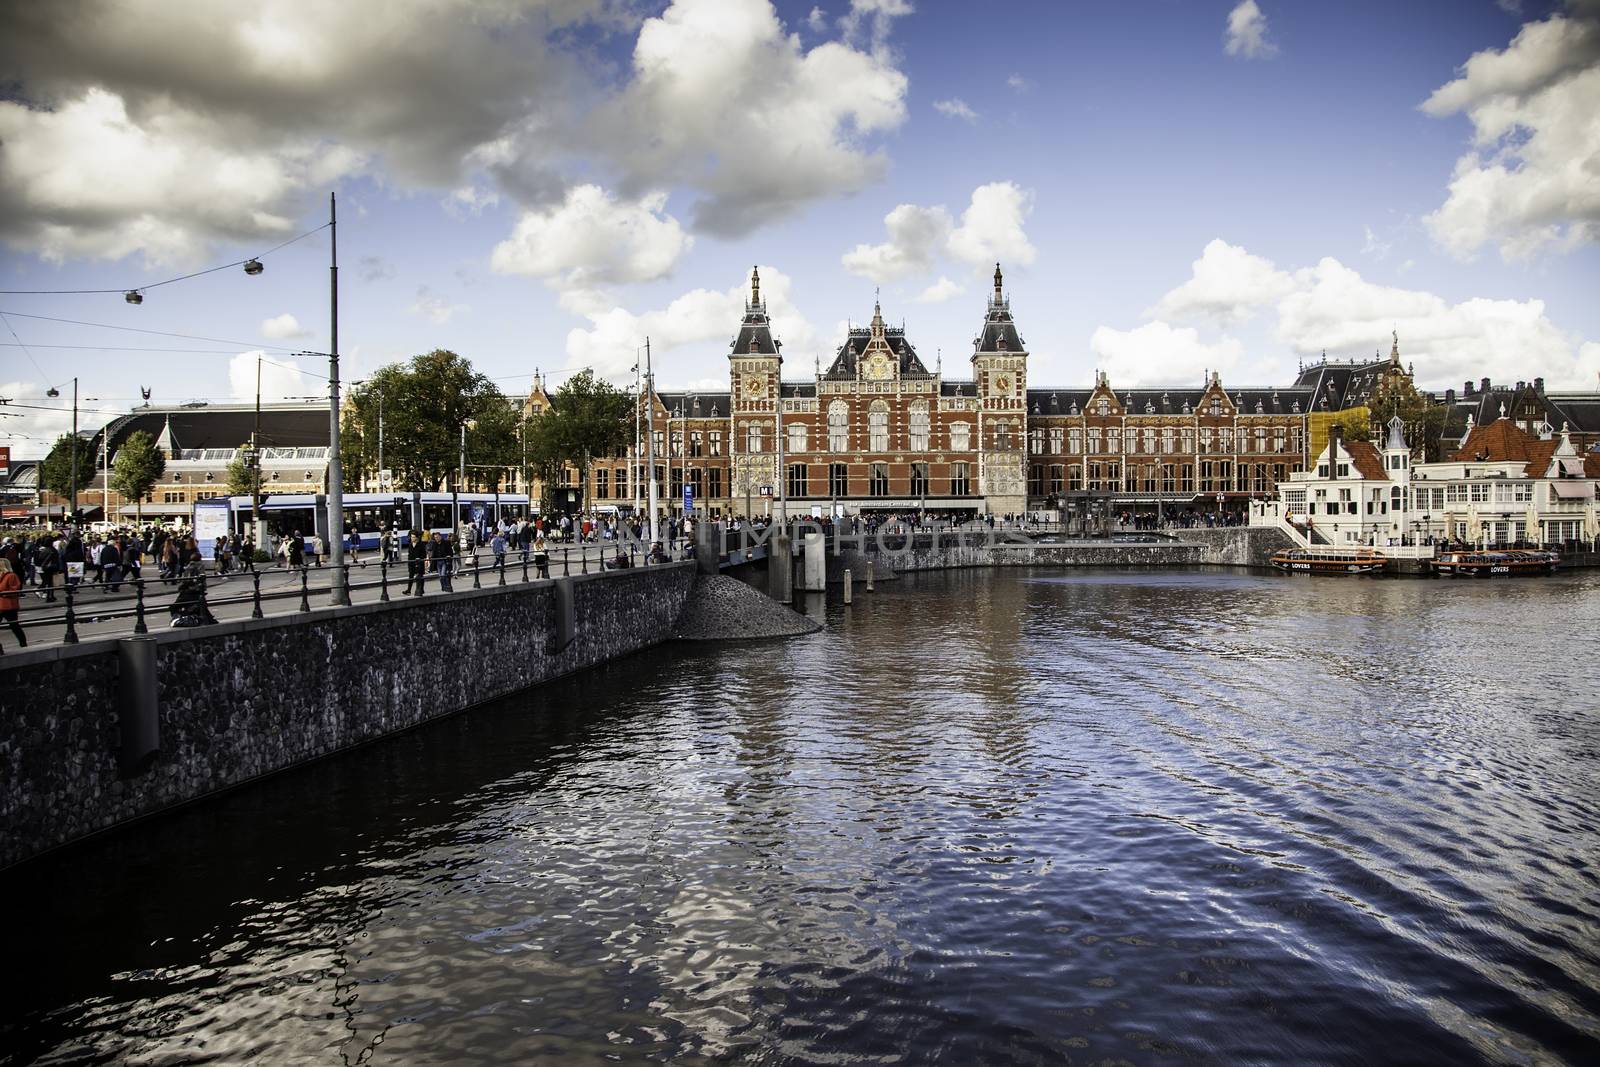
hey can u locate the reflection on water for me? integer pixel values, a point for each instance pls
(983, 818)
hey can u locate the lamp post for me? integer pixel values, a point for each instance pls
(335, 495)
(650, 443)
(783, 479)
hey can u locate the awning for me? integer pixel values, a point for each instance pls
(1571, 490)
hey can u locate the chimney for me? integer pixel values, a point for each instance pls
(1449, 396)
(1483, 385)
(1335, 434)
(1467, 389)
(1538, 385)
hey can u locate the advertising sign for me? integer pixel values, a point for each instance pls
(688, 500)
(5, 464)
(210, 523)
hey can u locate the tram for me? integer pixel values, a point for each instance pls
(368, 514)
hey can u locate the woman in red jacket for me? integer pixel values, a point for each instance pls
(11, 600)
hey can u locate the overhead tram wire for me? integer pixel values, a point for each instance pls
(242, 345)
(168, 281)
(22, 346)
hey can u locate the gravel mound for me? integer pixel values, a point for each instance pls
(722, 609)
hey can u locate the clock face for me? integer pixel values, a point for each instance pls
(752, 386)
(1002, 383)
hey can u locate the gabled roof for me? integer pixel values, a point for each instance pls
(857, 341)
(1252, 401)
(1501, 441)
(1367, 459)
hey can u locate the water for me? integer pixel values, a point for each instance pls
(1196, 817)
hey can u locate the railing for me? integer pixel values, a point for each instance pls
(135, 605)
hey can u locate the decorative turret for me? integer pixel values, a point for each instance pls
(998, 292)
(755, 287)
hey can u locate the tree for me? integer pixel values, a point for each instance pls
(137, 468)
(588, 417)
(244, 473)
(55, 472)
(422, 405)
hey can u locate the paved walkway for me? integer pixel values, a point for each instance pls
(101, 613)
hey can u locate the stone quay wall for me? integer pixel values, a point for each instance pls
(1239, 546)
(244, 699)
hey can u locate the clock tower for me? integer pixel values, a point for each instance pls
(754, 366)
(1000, 373)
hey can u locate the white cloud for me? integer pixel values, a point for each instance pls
(1530, 179)
(117, 142)
(939, 292)
(1159, 354)
(875, 16)
(1247, 32)
(817, 21)
(283, 327)
(433, 307)
(35, 420)
(279, 380)
(470, 199)
(1371, 245)
(723, 100)
(1227, 283)
(1331, 307)
(991, 226)
(701, 315)
(955, 108)
(591, 239)
(917, 236)
(1018, 83)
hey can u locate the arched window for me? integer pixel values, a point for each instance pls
(838, 426)
(878, 427)
(919, 426)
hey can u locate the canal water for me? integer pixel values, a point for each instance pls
(984, 818)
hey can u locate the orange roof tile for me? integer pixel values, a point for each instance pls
(1503, 440)
(1367, 459)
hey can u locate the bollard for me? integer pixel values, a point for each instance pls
(305, 590)
(383, 581)
(138, 607)
(872, 568)
(138, 705)
(524, 564)
(566, 562)
(500, 565)
(583, 561)
(71, 636)
(477, 581)
(847, 585)
(255, 595)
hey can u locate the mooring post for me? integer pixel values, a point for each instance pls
(872, 568)
(138, 705)
(71, 636)
(305, 590)
(255, 595)
(847, 585)
(383, 580)
(138, 607)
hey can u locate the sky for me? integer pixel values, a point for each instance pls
(1171, 186)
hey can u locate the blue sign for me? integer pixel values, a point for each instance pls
(688, 500)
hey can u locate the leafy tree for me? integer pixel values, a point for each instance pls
(423, 404)
(588, 417)
(55, 472)
(244, 474)
(137, 468)
(1422, 419)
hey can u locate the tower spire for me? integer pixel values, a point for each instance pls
(755, 286)
(997, 283)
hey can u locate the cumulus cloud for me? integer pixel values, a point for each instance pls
(697, 317)
(1226, 283)
(433, 307)
(1159, 354)
(1530, 179)
(1247, 32)
(37, 420)
(955, 108)
(283, 327)
(374, 269)
(1331, 307)
(764, 129)
(591, 238)
(939, 292)
(991, 226)
(279, 380)
(917, 237)
(991, 230)
(116, 141)
(1018, 83)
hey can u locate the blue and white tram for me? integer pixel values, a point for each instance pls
(369, 514)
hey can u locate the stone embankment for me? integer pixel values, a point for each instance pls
(98, 733)
(721, 608)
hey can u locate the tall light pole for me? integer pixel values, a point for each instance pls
(783, 479)
(650, 443)
(53, 391)
(335, 464)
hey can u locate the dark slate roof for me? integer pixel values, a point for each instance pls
(802, 390)
(227, 426)
(1250, 401)
(1580, 410)
(1342, 385)
(844, 363)
(695, 405)
(958, 389)
(998, 327)
(760, 332)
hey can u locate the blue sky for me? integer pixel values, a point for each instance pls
(1172, 186)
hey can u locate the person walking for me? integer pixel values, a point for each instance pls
(297, 551)
(316, 549)
(442, 557)
(416, 562)
(497, 545)
(11, 600)
(541, 557)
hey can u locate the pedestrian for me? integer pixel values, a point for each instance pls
(297, 551)
(416, 562)
(541, 557)
(111, 566)
(48, 563)
(497, 545)
(316, 549)
(442, 558)
(353, 543)
(11, 600)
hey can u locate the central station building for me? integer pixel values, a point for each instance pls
(878, 431)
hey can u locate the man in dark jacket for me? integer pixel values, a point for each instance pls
(416, 561)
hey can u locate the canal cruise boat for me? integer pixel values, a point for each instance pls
(1329, 561)
(1495, 563)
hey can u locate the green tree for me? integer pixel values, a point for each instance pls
(55, 472)
(244, 473)
(137, 468)
(1422, 419)
(422, 405)
(588, 417)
